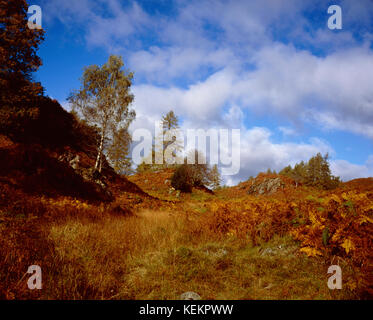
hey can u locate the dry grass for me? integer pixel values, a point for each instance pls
(159, 255)
(218, 247)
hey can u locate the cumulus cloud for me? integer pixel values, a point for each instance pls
(163, 65)
(212, 60)
(333, 91)
(104, 23)
(259, 152)
(286, 131)
(200, 102)
(348, 171)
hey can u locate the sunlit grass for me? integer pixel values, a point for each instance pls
(152, 256)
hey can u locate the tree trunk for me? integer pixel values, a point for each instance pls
(98, 159)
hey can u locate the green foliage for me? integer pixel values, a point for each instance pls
(315, 173)
(215, 178)
(103, 101)
(182, 179)
(118, 152)
(170, 157)
(18, 59)
(171, 144)
(197, 174)
(170, 121)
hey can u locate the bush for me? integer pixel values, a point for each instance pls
(181, 179)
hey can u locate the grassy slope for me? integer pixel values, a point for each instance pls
(162, 249)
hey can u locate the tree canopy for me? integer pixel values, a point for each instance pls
(197, 174)
(104, 102)
(18, 58)
(316, 172)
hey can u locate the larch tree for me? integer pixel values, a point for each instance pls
(171, 143)
(170, 125)
(104, 101)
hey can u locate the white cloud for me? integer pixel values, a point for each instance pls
(226, 56)
(286, 131)
(201, 102)
(334, 91)
(348, 171)
(162, 65)
(259, 152)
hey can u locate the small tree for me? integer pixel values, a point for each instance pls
(199, 170)
(103, 101)
(197, 174)
(170, 122)
(315, 172)
(318, 173)
(215, 178)
(182, 179)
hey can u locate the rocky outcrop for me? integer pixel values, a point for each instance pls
(266, 186)
(88, 174)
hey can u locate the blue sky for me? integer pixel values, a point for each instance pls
(271, 68)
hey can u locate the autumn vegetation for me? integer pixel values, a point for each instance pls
(71, 203)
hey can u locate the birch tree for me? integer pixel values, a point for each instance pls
(104, 101)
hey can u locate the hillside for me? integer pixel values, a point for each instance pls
(94, 233)
(267, 234)
(46, 177)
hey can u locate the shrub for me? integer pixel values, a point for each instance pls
(182, 180)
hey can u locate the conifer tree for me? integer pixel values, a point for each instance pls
(18, 60)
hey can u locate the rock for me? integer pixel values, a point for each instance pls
(267, 252)
(190, 296)
(74, 163)
(267, 186)
(217, 254)
(269, 286)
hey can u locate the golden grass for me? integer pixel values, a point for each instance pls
(159, 255)
(220, 249)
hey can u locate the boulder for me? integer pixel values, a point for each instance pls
(267, 186)
(190, 296)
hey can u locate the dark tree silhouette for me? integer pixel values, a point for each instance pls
(19, 94)
(18, 58)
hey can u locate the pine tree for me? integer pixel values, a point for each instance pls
(18, 60)
(299, 173)
(287, 171)
(316, 173)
